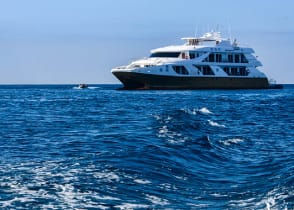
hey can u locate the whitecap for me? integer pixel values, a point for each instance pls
(108, 176)
(181, 177)
(177, 141)
(190, 111)
(228, 142)
(215, 124)
(163, 130)
(218, 195)
(273, 196)
(106, 198)
(142, 181)
(167, 187)
(172, 137)
(9, 203)
(77, 88)
(162, 119)
(131, 206)
(156, 200)
(157, 117)
(92, 88)
(272, 200)
(204, 110)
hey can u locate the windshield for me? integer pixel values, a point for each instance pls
(165, 55)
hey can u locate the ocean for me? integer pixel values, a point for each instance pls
(103, 148)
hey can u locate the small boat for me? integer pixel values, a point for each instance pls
(82, 86)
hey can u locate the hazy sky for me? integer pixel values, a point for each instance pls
(79, 41)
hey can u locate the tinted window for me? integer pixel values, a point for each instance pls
(165, 55)
(205, 69)
(192, 55)
(230, 58)
(180, 70)
(211, 57)
(243, 59)
(236, 71)
(237, 58)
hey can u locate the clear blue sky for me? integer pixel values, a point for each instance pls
(75, 41)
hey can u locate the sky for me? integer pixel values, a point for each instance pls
(80, 41)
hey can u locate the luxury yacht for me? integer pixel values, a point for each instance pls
(206, 62)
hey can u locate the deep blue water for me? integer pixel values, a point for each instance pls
(101, 148)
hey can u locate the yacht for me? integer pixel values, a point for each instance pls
(206, 62)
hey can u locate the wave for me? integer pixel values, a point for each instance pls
(156, 200)
(142, 181)
(215, 124)
(107, 176)
(274, 199)
(126, 206)
(204, 110)
(231, 141)
(194, 111)
(172, 137)
(91, 88)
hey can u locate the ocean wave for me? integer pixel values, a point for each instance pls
(172, 137)
(190, 111)
(142, 181)
(215, 124)
(107, 176)
(231, 141)
(204, 110)
(194, 111)
(274, 199)
(128, 206)
(156, 200)
(89, 88)
(48, 183)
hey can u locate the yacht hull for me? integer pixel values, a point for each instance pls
(133, 80)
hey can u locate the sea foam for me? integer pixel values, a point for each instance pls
(228, 142)
(215, 124)
(204, 110)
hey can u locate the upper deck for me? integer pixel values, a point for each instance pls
(209, 42)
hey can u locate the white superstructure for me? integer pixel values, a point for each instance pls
(208, 57)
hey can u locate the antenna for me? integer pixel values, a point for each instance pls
(230, 33)
(229, 30)
(196, 31)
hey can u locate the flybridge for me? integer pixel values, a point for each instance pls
(207, 37)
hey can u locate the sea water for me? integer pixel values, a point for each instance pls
(102, 148)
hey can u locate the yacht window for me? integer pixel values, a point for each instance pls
(243, 71)
(192, 55)
(237, 58)
(204, 69)
(180, 70)
(227, 70)
(211, 57)
(243, 59)
(230, 58)
(236, 71)
(218, 57)
(165, 55)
